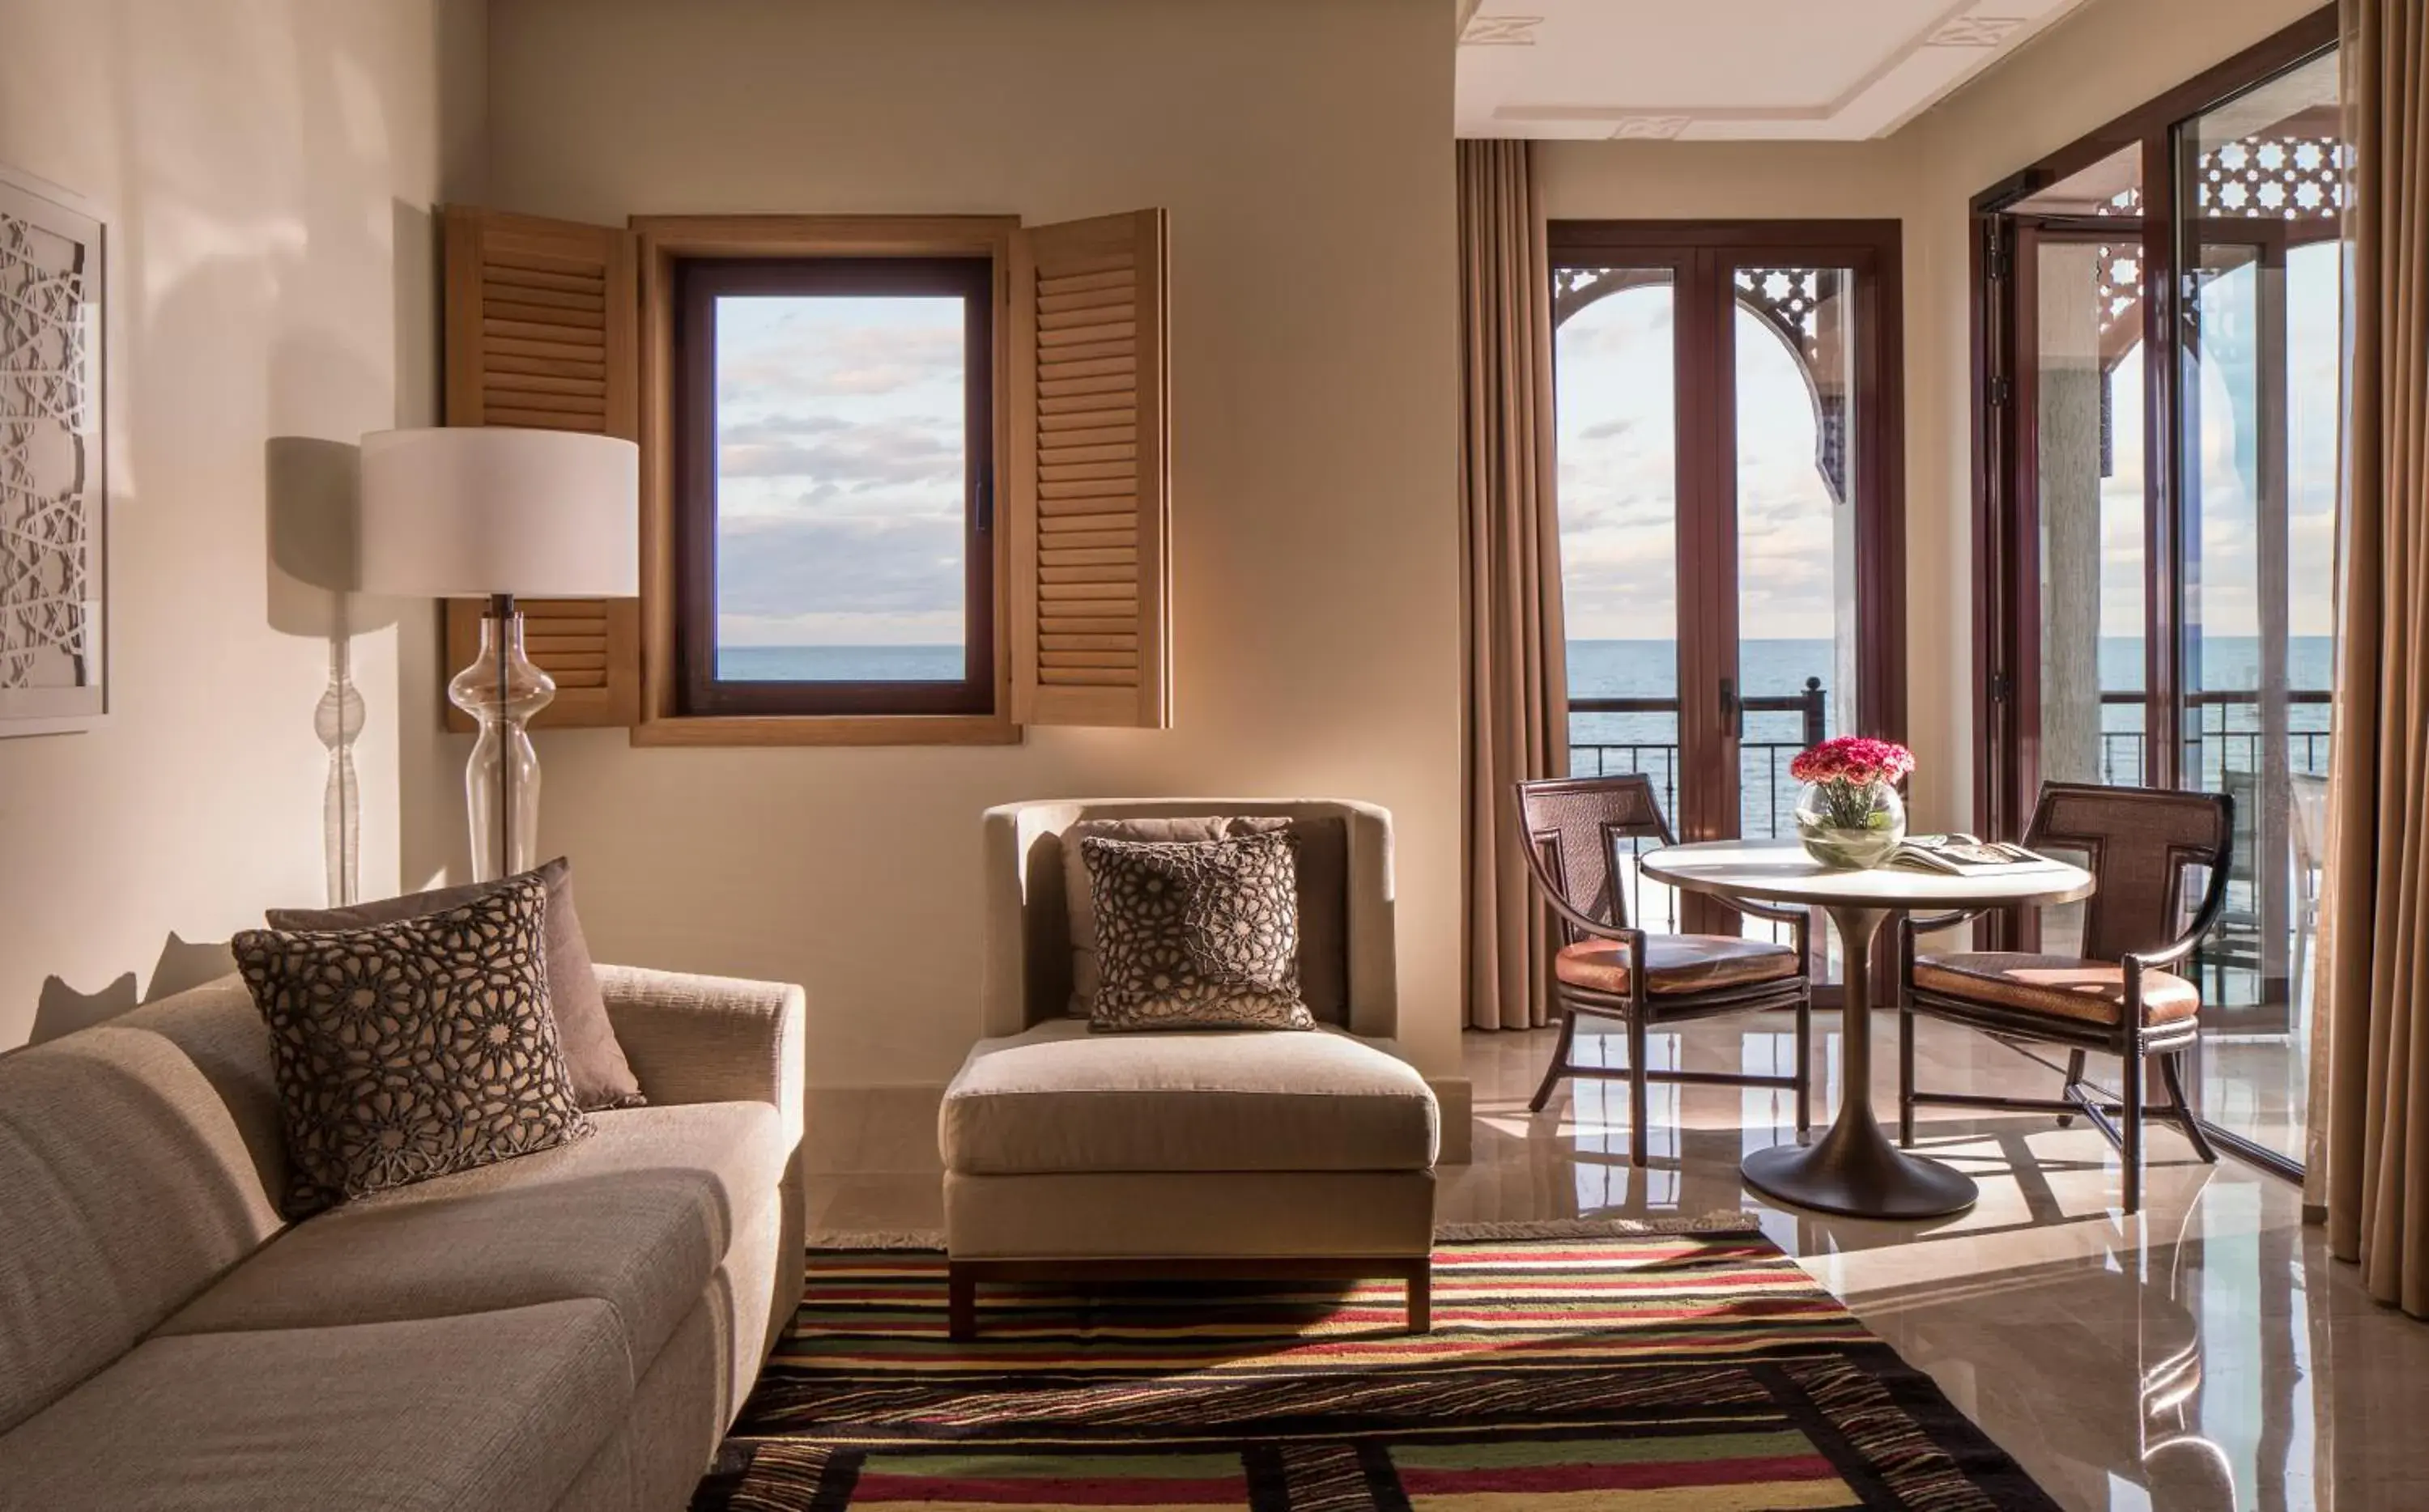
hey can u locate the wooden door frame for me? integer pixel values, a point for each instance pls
(1702, 256)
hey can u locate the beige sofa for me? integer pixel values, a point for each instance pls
(572, 1329)
(1277, 1153)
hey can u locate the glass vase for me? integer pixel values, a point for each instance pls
(1850, 826)
(502, 690)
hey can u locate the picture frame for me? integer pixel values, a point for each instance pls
(54, 461)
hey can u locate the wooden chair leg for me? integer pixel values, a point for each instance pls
(1905, 1076)
(1421, 1297)
(1559, 1066)
(1637, 1116)
(961, 1304)
(1805, 1064)
(2172, 1071)
(2130, 1128)
(2074, 1080)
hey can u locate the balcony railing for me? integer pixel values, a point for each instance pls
(1777, 726)
(2220, 743)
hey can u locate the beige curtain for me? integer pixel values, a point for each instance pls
(2374, 946)
(1516, 671)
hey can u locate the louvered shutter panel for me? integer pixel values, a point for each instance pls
(1091, 587)
(543, 331)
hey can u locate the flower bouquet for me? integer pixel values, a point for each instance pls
(1850, 815)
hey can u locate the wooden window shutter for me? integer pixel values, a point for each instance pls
(543, 331)
(1090, 497)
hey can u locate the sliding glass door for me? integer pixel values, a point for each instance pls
(2157, 428)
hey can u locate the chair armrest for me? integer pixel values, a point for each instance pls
(1933, 923)
(709, 1038)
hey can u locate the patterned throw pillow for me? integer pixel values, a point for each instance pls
(412, 1049)
(1197, 934)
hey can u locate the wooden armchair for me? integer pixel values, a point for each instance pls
(1608, 968)
(2119, 994)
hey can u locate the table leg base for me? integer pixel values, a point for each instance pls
(1859, 1177)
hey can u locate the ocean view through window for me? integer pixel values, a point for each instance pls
(837, 545)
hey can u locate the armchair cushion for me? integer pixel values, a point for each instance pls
(2093, 992)
(1055, 1099)
(1675, 963)
(1199, 935)
(1323, 863)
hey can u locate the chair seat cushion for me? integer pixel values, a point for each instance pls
(2090, 992)
(1676, 963)
(1056, 1099)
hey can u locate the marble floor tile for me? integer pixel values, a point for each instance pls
(2205, 1353)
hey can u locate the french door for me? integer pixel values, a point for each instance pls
(1728, 418)
(2160, 367)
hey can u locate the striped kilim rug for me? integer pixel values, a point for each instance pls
(1650, 1373)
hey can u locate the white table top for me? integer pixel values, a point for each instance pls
(1779, 871)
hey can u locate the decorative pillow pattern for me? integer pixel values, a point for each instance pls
(1197, 935)
(412, 1049)
(601, 1078)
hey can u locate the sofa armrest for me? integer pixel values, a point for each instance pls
(709, 1038)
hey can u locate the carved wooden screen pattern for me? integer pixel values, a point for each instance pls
(1802, 304)
(46, 566)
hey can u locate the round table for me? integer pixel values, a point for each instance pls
(1854, 1168)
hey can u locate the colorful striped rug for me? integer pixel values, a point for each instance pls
(1640, 1373)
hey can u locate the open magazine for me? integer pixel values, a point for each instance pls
(1963, 855)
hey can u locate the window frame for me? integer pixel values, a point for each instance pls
(700, 283)
(666, 243)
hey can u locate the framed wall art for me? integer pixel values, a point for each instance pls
(54, 673)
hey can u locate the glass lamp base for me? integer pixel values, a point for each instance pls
(502, 690)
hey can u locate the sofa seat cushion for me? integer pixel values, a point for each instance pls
(638, 1216)
(2089, 992)
(494, 1409)
(1058, 1098)
(1675, 963)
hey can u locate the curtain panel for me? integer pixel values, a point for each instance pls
(2375, 941)
(1516, 714)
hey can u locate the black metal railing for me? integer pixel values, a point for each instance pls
(2218, 743)
(1767, 794)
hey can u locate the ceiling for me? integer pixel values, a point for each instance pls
(1711, 69)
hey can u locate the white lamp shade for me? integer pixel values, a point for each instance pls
(465, 512)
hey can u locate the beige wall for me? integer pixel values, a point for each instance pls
(2103, 60)
(1304, 154)
(265, 169)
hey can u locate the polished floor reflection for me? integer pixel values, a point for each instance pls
(2205, 1355)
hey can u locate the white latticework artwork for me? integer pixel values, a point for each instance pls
(51, 637)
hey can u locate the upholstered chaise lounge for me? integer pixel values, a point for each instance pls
(1075, 1154)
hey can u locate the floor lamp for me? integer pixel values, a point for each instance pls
(493, 512)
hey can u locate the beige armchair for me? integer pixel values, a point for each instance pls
(1239, 1154)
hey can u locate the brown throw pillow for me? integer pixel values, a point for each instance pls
(413, 1049)
(601, 1079)
(1197, 935)
(1323, 862)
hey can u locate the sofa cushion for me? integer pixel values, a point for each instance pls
(493, 1409)
(1056, 1099)
(638, 1216)
(602, 1079)
(1323, 862)
(411, 1050)
(139, 1160)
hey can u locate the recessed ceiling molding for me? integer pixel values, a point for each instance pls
(1730, 70)
(1976, 31)
(1500, 31)
(1650, 128)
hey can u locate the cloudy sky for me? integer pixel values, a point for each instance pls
(840, 472)
(1618, 470)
